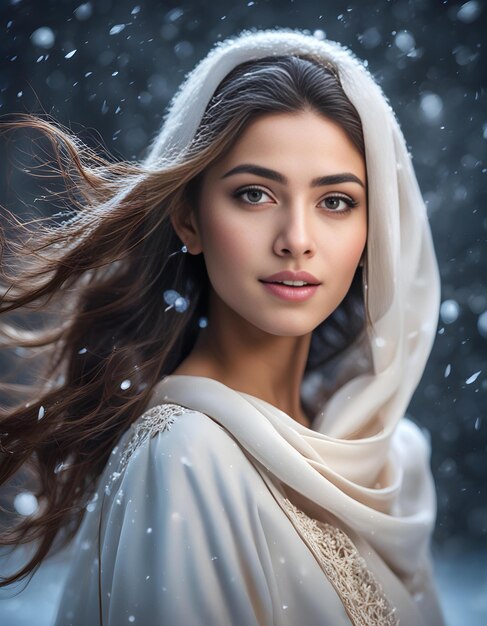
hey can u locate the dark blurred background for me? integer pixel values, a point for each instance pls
(107, 69)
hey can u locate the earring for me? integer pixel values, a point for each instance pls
(183, 248)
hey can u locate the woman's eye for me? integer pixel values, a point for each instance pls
(253, 196)
(333, 203)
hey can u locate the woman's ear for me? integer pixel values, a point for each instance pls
(185, 224)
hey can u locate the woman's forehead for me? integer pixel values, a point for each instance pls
(302, 141)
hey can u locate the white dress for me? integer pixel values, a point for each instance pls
(193, 534)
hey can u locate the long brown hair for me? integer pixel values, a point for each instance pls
(98, 279)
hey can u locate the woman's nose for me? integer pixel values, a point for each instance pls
(295, 234)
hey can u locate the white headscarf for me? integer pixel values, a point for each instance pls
(380, 485)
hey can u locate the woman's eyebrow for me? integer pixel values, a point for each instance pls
(264, 172)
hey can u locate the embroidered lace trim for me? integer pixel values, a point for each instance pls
(155, 420)
(361, 594)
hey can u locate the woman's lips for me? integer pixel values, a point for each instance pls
(290, 275)
(286, 292)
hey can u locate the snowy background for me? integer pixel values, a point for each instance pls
(107, 69)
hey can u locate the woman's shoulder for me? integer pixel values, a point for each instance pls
(183, 427)
(179, 508)
(171, 437)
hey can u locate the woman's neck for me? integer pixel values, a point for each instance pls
(273, 374)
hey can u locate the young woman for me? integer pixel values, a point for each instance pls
(245, 316)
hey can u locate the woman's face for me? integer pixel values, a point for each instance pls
(266, 207)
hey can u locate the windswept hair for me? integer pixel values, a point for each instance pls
(95, 282)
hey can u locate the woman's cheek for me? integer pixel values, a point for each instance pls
(350, 247)
(354, 252)
(227, 246)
